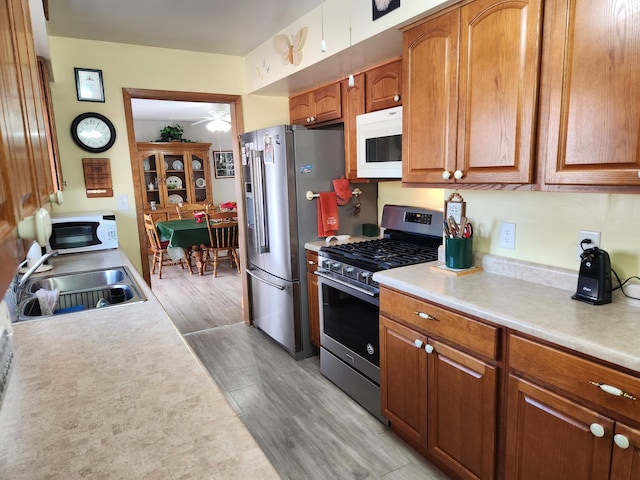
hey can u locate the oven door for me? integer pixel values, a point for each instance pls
(349, 325)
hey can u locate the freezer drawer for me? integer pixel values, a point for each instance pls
(275, 308)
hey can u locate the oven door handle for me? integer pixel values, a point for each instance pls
(345, 284)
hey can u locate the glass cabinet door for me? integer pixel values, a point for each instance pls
(176, 178)
(151, 177)
(199, 177)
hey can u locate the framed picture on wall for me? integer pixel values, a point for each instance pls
(224, 164)
(89, 86)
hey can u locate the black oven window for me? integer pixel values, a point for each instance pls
(352, 322)
(74, 234)
(384, 149)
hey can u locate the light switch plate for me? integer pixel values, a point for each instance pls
(123, 201)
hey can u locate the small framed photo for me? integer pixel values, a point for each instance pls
(224, 167)
(89, 86)
(455, 207)
(382, 7)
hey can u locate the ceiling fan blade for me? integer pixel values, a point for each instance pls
(202, 121)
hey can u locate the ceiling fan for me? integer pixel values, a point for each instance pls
(218, 121)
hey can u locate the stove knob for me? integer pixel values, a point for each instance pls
(364, 277)
(335, 266)
(348, 270)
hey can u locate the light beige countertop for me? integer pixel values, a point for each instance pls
(117, 393)
(531, 299)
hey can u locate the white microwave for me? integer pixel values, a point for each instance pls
(83, 232)
(379, 147)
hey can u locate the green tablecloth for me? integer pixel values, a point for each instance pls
(183, 233)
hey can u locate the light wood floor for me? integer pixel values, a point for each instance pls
(307, 427)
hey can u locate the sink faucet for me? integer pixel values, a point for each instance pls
(18, 285)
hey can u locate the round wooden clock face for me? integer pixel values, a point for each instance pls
(93, 132)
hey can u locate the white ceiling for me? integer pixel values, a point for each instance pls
(232, 27)
(229, 27)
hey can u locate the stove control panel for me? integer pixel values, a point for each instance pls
(344, 271)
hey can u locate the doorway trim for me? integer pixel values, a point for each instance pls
(235, 104)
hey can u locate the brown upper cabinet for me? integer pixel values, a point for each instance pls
(352, 105)
(321, 105)
(383, 86)
(589, 115)
(470, 84)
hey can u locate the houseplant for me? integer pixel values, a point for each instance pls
(172, 134)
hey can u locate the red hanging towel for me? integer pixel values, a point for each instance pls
(327, 214)
(343, 190)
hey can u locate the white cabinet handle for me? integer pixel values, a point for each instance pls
(611, 390)
(425, 316)
(597, 430)
(418, 343)
(428, 348)
(36, 227)
(446, 175)
(311, 262)
(457, 174)
(56, 197)
(621, 441)
(396, 98)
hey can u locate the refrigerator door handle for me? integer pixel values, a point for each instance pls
(271, 284)
(257, 172)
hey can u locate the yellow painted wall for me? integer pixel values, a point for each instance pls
(547, 224)
(136, 67)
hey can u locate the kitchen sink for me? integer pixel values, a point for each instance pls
(80, 291)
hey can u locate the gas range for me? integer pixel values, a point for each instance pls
(412, 235)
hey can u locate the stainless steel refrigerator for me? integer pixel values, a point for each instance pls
(279, 165)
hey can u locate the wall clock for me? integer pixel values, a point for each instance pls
(93, 132)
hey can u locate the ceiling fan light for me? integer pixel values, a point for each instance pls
(218, 125)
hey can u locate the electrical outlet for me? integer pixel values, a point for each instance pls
(588, 234)
(508, 235)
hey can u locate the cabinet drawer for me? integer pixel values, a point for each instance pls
(433, 320)
(312, 261)
(574, 375)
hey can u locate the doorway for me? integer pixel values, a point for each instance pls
(235, 105)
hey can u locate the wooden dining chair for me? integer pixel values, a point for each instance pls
(223, 238)
(158, 248)
(186, 210)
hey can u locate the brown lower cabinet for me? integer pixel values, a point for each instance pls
(535, 412)
(439, 396)
(312, 298)
(561, 425)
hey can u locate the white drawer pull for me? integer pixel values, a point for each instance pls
(621, 441)
(428, 348)
(611, 390)
(418, 343)
(425, 316)
(597, 430)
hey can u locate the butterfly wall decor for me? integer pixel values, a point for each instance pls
(291, 50)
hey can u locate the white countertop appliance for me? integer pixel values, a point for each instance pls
(83, 231)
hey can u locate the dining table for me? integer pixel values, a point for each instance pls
(187, 235)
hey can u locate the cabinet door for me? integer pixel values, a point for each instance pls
(313, 298)
(151, 175)
(352, 105)
(430, 105)
(176, 179)
(403, 377)
(314, 309)
(301, 109)
(462, 412)
(198, 176)
(499, 64)
(549, 437)
(327, 103)
(384, 86)
(626, 459)
(589, 125)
